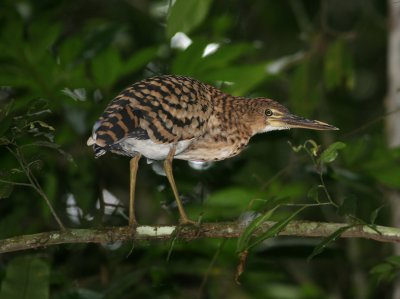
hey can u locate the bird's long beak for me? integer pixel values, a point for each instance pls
(293, 121)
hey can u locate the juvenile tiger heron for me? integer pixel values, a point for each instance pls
(175, 117)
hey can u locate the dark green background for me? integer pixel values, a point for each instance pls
(61, 62)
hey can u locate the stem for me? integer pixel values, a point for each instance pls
(60, 224)
(211, 265)
(318, 168)
(15, 183)
(328, 196)
(34, 183)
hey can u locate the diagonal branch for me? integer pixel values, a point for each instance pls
(205, 230)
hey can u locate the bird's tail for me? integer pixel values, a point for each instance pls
(99, 145)
(116, 123)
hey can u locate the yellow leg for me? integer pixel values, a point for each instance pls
(134, 164)
(168, 170)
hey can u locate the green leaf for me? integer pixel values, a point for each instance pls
(69, 51)
(328, 240)
(106, 68)
(245, 237)
(26, 277)
(375, 213)
(386, 270)
(383, 271)
(313, 193)
(139, 60)
(186, 62)
(244, 78)
(44, 36)
(185, 15)
(224, 55)
(329, 155)
(394, 260)
(275, 229)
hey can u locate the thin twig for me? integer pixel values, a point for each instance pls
(210, 266)
(15, 183)
(34, 182)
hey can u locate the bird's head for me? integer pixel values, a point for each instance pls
(269, 115)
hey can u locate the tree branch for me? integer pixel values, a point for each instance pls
(205, 230)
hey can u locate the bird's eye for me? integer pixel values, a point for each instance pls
(268, 112)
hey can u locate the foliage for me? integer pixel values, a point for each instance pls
(61, 62)
(388, 269)
(26, 277)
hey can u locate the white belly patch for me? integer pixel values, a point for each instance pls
(152, 150)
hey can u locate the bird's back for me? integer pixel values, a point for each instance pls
(162, 110)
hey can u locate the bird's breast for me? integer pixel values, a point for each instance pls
(204, 151)
(151, 149)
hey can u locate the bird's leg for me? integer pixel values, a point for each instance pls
(168, 170)
(134, 164)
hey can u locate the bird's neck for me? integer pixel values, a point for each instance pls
(229, 115)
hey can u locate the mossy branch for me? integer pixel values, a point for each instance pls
(205, 230)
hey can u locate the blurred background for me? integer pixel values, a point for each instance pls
(61, 62)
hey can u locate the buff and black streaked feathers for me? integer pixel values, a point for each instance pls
(209, 125)
(165, 109)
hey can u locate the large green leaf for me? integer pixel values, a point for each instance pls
(186, 62)
(139, 60)
(244, 78)
(185, 15)
(26, 277)
(224, 55)
(106, 67)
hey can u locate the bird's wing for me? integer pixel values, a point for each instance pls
(164, 109)
(173, 108)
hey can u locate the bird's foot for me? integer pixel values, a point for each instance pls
(187, 221)
(133, 224)
(187, 224)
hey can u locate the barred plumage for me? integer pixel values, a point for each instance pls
(167, 117)
(164, 109)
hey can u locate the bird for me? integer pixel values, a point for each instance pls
(170, 117)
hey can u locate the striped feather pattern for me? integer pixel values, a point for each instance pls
(165, 109)
(204, 123)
